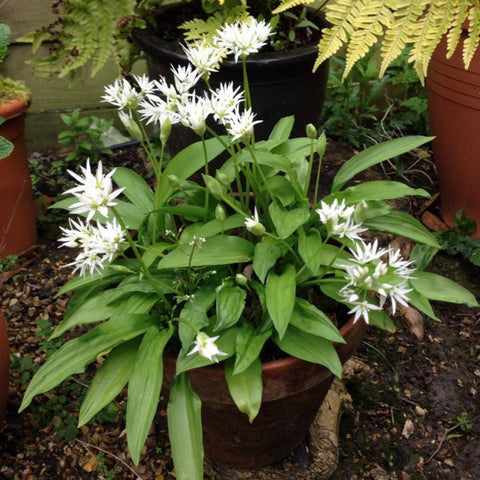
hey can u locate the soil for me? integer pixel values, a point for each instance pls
(415, 410)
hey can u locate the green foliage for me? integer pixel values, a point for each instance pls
(363, 109)
(361, 24)
(8, 262)
(457, 241)
(85, 136)
(4, 40)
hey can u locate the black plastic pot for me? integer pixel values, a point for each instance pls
(281, 83)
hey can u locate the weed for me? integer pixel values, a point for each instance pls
(103, 468)
(8, 262)
(363, 109)
(85, 136)
(462, 422)
(291, 35)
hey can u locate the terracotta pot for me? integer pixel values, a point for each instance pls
(18, 230)
(281, 83)
(454, 111)
(293, 391)
(4, 368)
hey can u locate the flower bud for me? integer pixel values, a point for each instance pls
(165, 130)
(360, 212)
(311, 131)
(173, 181)
(241, 279)
(321, 144)
(129, 123)
(213, 186)
(220, 213)
(222, 178)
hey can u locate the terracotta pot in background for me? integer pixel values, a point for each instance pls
(293, 391)
(4, 368)
(454, 111)
(18, 230)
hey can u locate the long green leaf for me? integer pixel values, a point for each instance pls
(144, 389)
(310, 348)
(310, 319)
(229, 306)
(248, 346)
(287, 221)
(136, 190)
(185, 429)
(109, 381)
(376, 190)
(436, 287)
(402, 224)
(282, 128)
(72, 357)
(245, 387)
(266, 254)
(374, 155)
(280, 292)
(100, 307)
(219, 250)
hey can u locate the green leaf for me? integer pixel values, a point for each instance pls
(211, 228)
(72, 357)
(436, 287)
(287, 221)
(310, 248)
(280, 293)
(230, 305)
(379, 319)
(421, 303)
(185, 429)
(402, 224)
(100, 307)
(248, 346)
(144, 389)
(136, 190)
(245, 387)
(310, 319)
(219, 250)
(282, 129)
(282, 189)
(376, 190)
(311, 348)
(6, 148)
(266, 254)
(374, 155)
(109, 381)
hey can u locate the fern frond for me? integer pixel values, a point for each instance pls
(471, 42)
(287, 4)
(429, 31)
(369, 24)
(405, 17)
(453, 35)
(341, 14)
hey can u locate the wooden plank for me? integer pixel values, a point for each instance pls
(24, 16)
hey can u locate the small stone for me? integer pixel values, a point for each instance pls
(420, 411)
(449, 462)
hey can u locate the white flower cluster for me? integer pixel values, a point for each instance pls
(368, 274)
(206, 347)
(164, 104)
(99, 242)
(375, 270)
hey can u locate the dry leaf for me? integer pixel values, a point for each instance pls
(407, 429)
(91, 465)
(414, 321)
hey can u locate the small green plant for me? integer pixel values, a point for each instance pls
(457, 241)
(363, 109)
(463, 422)
(85, 136)
(8, 262)
(103, 469)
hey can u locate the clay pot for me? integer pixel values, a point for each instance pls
(18, 231)
(293, 391)
(454, 111)
(281, 83)
(4, 368)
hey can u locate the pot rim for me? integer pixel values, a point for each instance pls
(14, 107)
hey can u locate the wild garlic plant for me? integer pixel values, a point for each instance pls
(224, 267)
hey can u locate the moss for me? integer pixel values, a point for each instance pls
(13, 89)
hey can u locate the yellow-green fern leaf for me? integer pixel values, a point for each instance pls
(287, 4)
(471, 42)
(406, 14)
(369, 25)
(339, 14)
(453, 35)
(429, 31)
